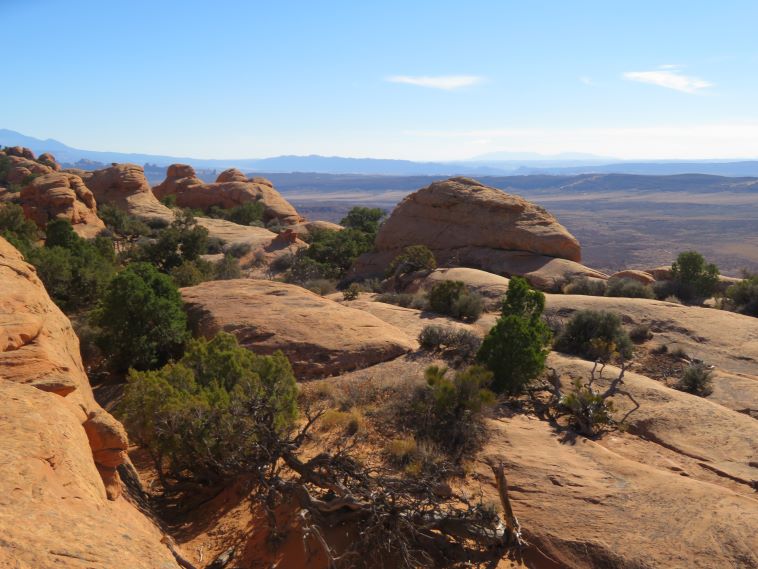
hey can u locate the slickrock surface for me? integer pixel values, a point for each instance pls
(60, 503)
(468, 224)
(631, 274)
(320, 336)
(232, 188)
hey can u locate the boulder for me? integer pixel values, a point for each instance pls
(264, 244)
(468, 224)
(232, 188)
(39, 348)
(634, 275)
(461, 212)
(319, 336)
(61, 195)
(660, 273)
(49, 160)
(20, 152)
(124, 186)
(305, 228)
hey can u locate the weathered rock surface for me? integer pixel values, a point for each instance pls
(461, 212)
(683, 474)
(305, 228)
(39, 348)
(620, 502)
(634, 275)
(60, 195)
(124, 186)
(320, 336)
(468, 224)
(60, 503)
(22, 165)
(265, 246)
(53, 508)
(232, 188)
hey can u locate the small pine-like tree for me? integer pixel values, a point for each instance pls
(516, 348)
(212, 414)
(141, 317)
(694, 280)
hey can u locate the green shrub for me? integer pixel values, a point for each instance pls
(450, 411)
(406, 300)
(249, 213)
(413, 258)
(121, 222)
(452, 298)
(459, 340)
(443, 294)
(75, 271)
(628, 288)
(183, 240)
(321, 287)
(211, 415)
(692, 279)
(169, 200)
(696, 379)
(239, 250)
(228, 268)
(588, 411)
(640, 333)
(351, 292)
(365, 219)
(14, 227)
(330, 254)
(744, 295)
(191, 273)
(516, 348)
(595, 335)
(142, 320)
(586, 286)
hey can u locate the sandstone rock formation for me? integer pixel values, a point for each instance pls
(22, 165)
(62, 195)
(305, 228)
(468, 224)
(320, 336)
(490, 286)
(634, 275)
(682, 474)
(232, 188)
(124, 186)
(60, 503)
(39, 348)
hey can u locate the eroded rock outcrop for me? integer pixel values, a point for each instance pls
(466, 223)
(60, 503)
(60, 195)
(124, 186)
(40, 349)
(232, 188)
(320, 336)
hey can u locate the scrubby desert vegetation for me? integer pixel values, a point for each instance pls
(357, 396)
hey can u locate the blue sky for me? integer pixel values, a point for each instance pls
(418, 80)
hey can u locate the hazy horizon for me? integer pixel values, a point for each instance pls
(425, 82)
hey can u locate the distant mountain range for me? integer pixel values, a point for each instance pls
(493, 164)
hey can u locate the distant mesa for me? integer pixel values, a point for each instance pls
(232, 188)
(466, 223)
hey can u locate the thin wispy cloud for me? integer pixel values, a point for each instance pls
(445, 82)
(586, 80)
(670, 77)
